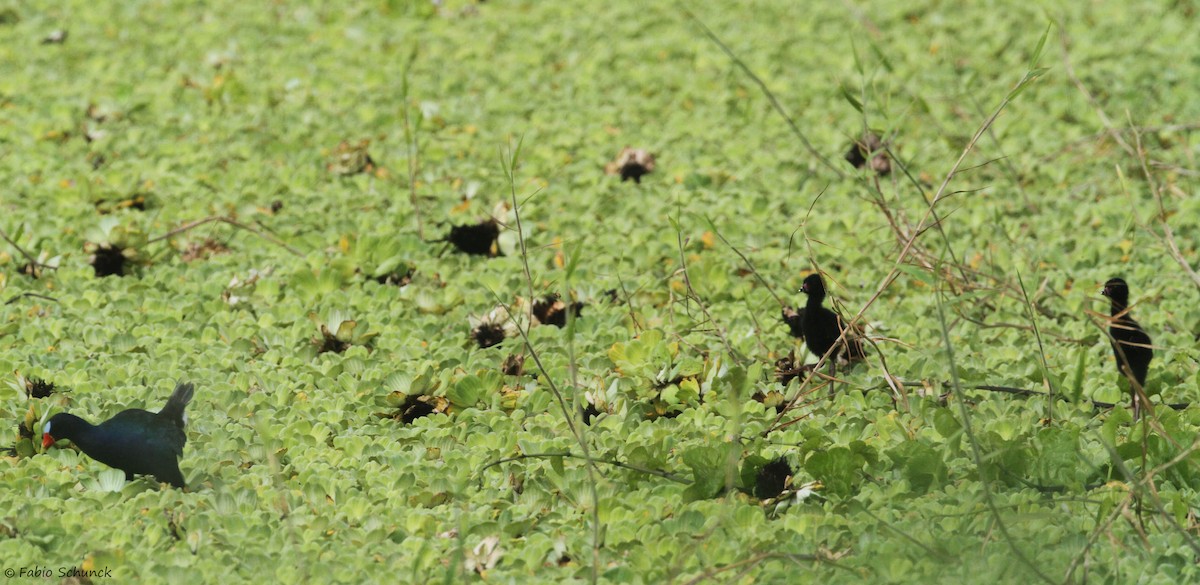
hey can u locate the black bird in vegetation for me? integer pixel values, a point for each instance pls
(1130, 343)
(134, 441)
(823, 327)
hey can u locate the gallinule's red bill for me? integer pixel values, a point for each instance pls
(134, 441)
(823, 327)
(1130, 343)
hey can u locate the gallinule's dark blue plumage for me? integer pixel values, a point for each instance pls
(134, 441)
(1130, 343)
(823, 327)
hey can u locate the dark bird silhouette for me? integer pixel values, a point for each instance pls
(134, 441)
(823, 327)
(1130, 343)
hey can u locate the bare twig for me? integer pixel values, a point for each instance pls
(29, 257)
(765, 90)
(29, 294)
(1095, 403)
(1168, 235)
(228, 220)
(749, 264)
(1041, 349)
(569, 455)
(691, 294)
(923, 225)
(1070, 69)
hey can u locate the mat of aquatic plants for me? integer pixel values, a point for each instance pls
(495, 291)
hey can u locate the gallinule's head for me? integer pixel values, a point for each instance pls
(813, 286)
(61, 426)
(1117, 290)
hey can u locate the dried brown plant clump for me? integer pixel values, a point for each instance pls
(772, 479)
(107, 260)
(203, 250)
(400, 278)
(514, 364)
(498, 324)
(479, 239)
(787, 368)
(329, 342)
(870, 147)
(38, 388)
(483, 238)
(136, 202)
(631, 163)
(551, 310)
(794, 319)
(350, 159)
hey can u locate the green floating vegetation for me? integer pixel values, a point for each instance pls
(350, 225)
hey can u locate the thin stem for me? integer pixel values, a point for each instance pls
(29, 257)
(229, 220)
(414, 149)
(976, 452)
(1041, 350)
(766, 91)
(569, 455)
(510, 165)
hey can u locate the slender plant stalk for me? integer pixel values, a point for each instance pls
(510, 166)
(976, 452)
(1041, 351)
(228, 220)
(765, 90)
(414, 148)
(569, 455)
